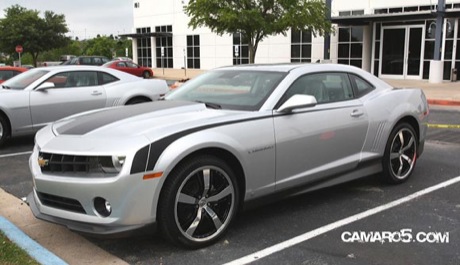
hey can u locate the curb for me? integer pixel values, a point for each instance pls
(444, 102)
(35, 250)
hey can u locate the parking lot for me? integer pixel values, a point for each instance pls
(304, 229)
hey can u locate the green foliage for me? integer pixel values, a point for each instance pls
(11, 254)
(24, 27)
(257, 19)
(100, 46)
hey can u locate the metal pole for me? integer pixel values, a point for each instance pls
(185, 64)
(327, 37)
(440, 12)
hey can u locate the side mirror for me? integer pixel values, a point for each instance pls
(298, 102)
(45, 86)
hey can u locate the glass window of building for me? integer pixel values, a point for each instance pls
(240, 49)
(300, 46)
(350, 46)
(164, 47)
(144, 48)
(193, 51)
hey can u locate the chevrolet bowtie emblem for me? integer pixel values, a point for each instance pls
(42, 162)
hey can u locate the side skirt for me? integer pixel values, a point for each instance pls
(364, 169)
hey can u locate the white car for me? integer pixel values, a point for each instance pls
(39, 96)
(228, 137)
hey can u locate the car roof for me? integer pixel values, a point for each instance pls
(287, 67)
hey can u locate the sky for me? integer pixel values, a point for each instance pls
(85, 18)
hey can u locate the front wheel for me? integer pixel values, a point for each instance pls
(4, 130)
(400, 154)
(198, 202)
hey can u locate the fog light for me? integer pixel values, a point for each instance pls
(102, 206)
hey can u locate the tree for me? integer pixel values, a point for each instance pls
(24, 27)
(106, 46)
(258, 19)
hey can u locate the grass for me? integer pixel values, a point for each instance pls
(11, 254)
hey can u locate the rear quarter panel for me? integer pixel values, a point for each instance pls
(122, 92)
(387, 108)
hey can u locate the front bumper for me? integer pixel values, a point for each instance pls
(88, 228)
(132, 200)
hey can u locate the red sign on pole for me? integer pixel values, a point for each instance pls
(19, 49)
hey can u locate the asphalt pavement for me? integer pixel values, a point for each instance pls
(58, 245)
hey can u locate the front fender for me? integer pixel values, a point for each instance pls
(252, 144)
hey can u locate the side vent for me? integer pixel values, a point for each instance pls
(378, 137)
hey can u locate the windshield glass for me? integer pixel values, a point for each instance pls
(23, 80)
(229, 89)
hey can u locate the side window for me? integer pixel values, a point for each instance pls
(106, 78)
(121, 64)
(59, 80)
(325, 87)
(5, 75)
(362, 87)
(132, 65)
(97, 61)
(74, 79)
(85, 60)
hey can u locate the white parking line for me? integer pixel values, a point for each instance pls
(16, 154)
(319, 231)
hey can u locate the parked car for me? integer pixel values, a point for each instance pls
(50, 63)
(7, 72)
(27, 66)
(121, 59)
(65, 58)
(89, 60)
(39, 96)
(227, 137)
(130, 67)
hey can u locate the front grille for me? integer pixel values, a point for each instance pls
(57, 163)
(61, 203)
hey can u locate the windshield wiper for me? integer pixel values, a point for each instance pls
(210, 105)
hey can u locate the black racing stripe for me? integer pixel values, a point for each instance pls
(158, 147)
(140, 160)
(87, 123)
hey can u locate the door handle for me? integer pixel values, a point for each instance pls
(357, 113)
(96, 93)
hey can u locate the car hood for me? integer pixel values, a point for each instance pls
(152, 120)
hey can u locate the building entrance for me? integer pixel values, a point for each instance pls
(401, 52)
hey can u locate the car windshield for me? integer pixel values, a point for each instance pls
(229, 89)
(23, 80)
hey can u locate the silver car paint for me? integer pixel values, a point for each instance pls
(276, 151)
(30, 109)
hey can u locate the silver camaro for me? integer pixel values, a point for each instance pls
(33, 99)
(232, 135)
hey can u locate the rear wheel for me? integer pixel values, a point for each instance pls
(146, 74)
(4, 129)
(137, 101)
(400, 154)
(198, 202)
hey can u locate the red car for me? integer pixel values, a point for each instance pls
(130, 67)
(6, 72)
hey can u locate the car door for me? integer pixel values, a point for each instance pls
(321, 141)
(71, 92)
(134, 69)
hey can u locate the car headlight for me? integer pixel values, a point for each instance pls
(112, 164)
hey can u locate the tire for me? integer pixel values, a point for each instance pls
(137, 101)
(198, 202)
(4, 130)
(400, 154)
(146, 74)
